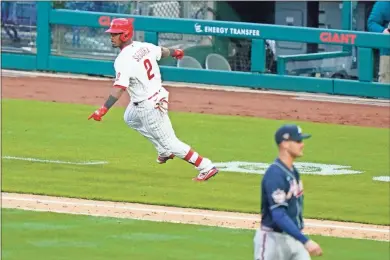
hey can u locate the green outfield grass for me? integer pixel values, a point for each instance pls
(53, 236)
(62, 132)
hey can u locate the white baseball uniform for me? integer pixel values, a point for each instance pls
(138, 72)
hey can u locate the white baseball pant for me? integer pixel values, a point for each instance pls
(269, 245)
(156, 126)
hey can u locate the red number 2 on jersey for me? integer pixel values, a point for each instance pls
(148, 67)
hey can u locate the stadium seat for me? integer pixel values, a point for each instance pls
(189, 62)
(217, 62)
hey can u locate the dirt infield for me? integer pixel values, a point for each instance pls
(203, 101)
(182, 215)
(266, 105)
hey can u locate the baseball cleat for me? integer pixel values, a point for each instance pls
(162, 160)
(206, 175)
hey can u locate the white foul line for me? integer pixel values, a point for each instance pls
(186, 213)
(53, 161)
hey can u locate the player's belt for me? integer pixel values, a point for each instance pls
(149, 98)
(268, 229)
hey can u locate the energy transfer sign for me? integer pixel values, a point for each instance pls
(303, 168)
(228, 31)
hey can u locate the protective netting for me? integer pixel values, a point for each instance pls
(175, 9)
(79, 41)
(82, 42)
(18, 31)
(18, 26)
(18, 23)
(337, 67)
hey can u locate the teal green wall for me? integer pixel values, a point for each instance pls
(152, 26)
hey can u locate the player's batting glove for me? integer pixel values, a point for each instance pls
(178, 54)
(98, 114)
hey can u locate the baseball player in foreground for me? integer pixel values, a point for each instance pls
(138, 72)
(280, 236)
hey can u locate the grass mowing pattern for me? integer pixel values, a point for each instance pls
(52, 236)
(62, 132)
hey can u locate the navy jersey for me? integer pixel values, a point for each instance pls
(281, 187)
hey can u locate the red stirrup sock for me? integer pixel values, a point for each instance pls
(194, 158)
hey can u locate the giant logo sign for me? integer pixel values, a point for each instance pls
(338, 37)
(303, 168)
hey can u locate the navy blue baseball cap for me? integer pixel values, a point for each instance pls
(290, 133)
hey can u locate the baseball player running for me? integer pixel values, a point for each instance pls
(280, 236)
(138, 72)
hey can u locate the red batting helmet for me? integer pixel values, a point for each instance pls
(123, 26)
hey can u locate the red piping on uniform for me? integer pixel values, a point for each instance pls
(119, 86)
(155, 94)
(189, 155)
(198, 161)
(263, 246)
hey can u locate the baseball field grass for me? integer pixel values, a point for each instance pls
(53, 236)
(55, 131)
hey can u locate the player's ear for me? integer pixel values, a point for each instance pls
(283, 145)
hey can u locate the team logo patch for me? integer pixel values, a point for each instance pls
(279, 196)
(296, 189)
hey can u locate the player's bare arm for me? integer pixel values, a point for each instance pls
(116, 93)
(176, 53)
